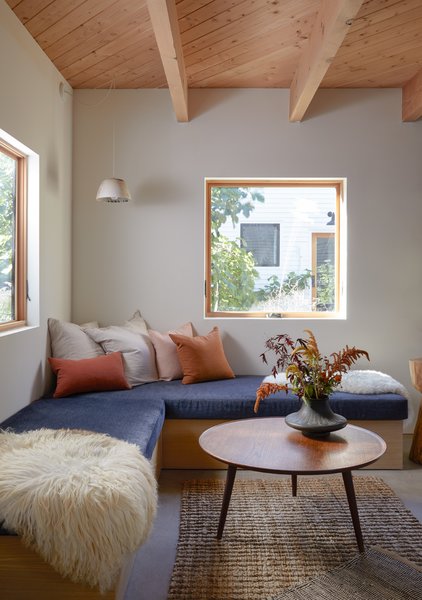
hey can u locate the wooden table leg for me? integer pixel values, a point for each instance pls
(230, 477)
(294, 485)
(351, 498)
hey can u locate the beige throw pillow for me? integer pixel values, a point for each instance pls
(168, 363)
(137, 323)
(136, 348)
(69, 341)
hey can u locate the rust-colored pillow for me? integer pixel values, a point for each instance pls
(97, 374)
(202, 357)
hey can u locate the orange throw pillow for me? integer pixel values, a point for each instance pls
(97, 374)
(202, 357)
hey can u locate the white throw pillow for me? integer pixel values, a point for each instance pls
(89, 325)
(136, 348)
(70, 341)
(137, 323)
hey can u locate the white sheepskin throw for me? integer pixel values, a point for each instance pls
(279, 378)
(371, 382)
(358, 382)
(81, 500)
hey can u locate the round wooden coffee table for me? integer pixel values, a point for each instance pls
(271, 446)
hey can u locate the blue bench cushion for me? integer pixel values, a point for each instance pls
(235, 399)
(137, 415)
(121, 414)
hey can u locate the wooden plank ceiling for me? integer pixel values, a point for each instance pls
(181, 44)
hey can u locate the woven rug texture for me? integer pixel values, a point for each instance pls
(273, 541)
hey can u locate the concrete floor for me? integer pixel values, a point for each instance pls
(154, 561)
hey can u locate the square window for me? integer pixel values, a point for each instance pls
(275, 247)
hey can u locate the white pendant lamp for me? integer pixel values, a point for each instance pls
(113, 190)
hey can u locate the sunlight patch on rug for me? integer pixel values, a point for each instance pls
(377, 574)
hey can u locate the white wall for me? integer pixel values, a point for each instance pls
(150, 254)
(32, 111)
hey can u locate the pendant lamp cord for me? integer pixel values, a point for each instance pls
(114, 134)
(114, 128)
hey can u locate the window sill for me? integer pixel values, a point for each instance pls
(18, 329)
(321, 316)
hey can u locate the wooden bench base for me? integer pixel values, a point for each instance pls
(181, 450)
(25, 576)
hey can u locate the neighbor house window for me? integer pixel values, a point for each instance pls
(12, 236)
(275, 248)
(263, 241)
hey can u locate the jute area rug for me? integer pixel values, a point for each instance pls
(273, 541)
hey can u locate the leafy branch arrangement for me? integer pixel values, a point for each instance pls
(309, 374)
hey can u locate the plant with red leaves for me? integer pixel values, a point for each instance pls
(308, 373)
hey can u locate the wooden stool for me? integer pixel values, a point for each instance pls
(416, 448)
(415, 366)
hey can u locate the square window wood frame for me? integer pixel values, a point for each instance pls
(340, 186)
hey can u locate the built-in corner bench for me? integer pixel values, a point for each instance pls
(190, 409)
(165, 420)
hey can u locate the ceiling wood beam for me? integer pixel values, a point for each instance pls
(330, 28)
(412, 98)
(167, 34)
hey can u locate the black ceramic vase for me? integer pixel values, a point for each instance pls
(315, 418)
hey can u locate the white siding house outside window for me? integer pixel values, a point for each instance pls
(275, 248)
